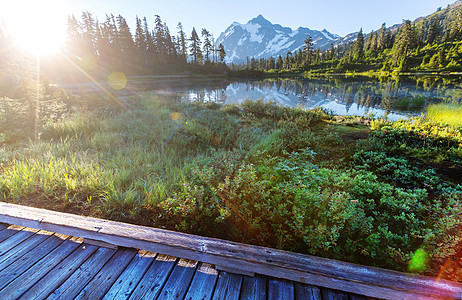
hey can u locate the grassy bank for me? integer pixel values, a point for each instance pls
(360, 190)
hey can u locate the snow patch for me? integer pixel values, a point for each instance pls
(253, 30)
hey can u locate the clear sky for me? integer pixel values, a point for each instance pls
(337, 16)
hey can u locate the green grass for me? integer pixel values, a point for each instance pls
(282, 177)
(447, 113)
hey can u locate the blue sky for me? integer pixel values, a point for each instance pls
(337, 16)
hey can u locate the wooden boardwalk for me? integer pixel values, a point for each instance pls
(52, 255)
(38, 264)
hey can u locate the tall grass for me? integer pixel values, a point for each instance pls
(446, 113)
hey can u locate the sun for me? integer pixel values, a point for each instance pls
(36, 26)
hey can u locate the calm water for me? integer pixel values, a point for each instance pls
(344, 96)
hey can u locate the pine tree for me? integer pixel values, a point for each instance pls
(331, 52)
(125, 41)
(160, 47)
(74, 39)
(182, 44)
(207, 44)
(88, 34)
(406, 40)
(195, 47)
(308, 51)
(381, 38)
(140, 42)
(279, 63)
(358, 46)
(149, 43)
(221, 52)
(434, 32)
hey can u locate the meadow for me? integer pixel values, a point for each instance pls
(358, 189)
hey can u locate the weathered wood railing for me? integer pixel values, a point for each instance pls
(247, 259)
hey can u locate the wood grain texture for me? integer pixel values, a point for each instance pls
(328, 294)
(20, 250)
(178, 281)
(228, 286)
(60, 273)
(307, 292)
(102, 282)
(153, 281)
(15, 239)
(280, 289)
(129, 279)
(322, 272)
(30, 277)
(203, 283)
(18, 267)
(254, 288)
(79, 279)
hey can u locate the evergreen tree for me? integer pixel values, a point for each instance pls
(88, 35)
(141, 43)
(221, 52)
(434, 33)
(358, 46)
(74, 39)
(160, 47)
(270, 63)
(382, 38)
(207, 44)
(195, 47)
(125, 41)
(308, 51)
(149, 44)
(331, 52)
(182, 43)
(455, 28)
(279, 63)
(406, 40)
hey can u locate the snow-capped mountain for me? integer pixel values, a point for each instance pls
(259, 38)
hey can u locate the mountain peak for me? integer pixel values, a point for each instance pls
(260, 38)
(259, 20)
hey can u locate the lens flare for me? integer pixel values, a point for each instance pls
(419, 261)
(117, 80)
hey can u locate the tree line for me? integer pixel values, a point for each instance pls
(112, 46)
(434, 42)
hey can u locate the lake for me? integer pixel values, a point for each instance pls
(395, 98)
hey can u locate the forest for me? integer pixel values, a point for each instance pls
(429, 44)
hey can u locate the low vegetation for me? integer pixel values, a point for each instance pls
(362, 190)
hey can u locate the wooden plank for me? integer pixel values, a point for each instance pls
(179, 280)
(203, 283)
(228, 286)
(235, 271)
(19, 250)
(105, 278)
(328, 294)
(280, 289)
(10, 231)
(29, 259)
(3, 226)
(328, 273)
(16, 239)
(129, 279)
(307, 292)
(357, 297)
(155, 278)
(100, 244)
(60, 273)
(79, 279)
(27, 279)
(254, 288)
